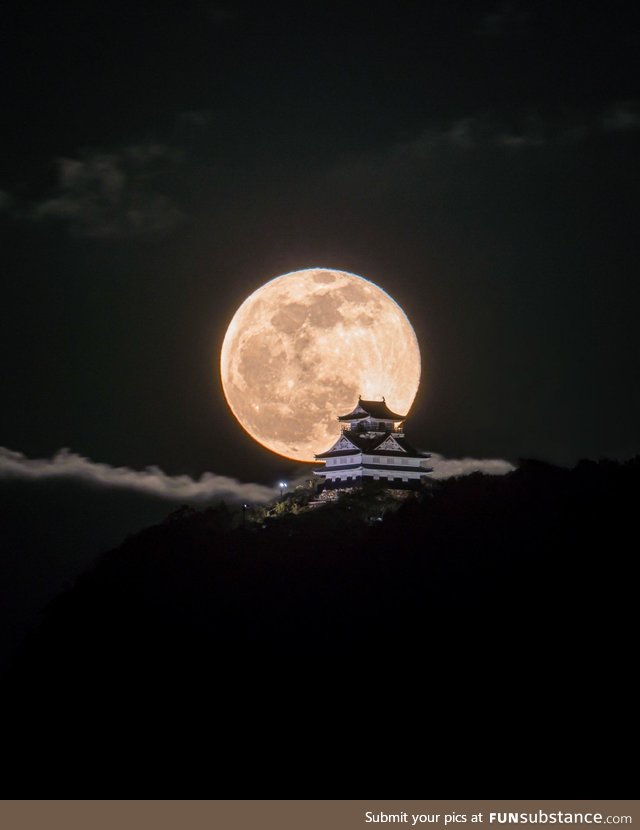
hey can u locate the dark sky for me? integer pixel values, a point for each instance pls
(162, 160)
(480, 162)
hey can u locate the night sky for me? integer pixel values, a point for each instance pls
(163, 160)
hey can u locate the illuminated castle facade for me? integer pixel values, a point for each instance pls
(372, 448)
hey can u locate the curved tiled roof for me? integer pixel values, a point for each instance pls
(374, 409)
(370, 446)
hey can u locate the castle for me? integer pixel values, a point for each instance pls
(372, 448)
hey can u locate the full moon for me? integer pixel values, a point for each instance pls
(302, 348)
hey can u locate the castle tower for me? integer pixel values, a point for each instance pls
(372, 447)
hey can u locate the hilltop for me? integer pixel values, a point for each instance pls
(530, 573)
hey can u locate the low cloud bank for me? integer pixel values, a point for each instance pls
(451, 467)
(152, 481)
(155, 482)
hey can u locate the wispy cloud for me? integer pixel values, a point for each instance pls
(113, 194)
(196, 118)
(442, 142)
(531, 133)
(151, 481)
(436, 145)
(477, 132)
(623, 116)
(454, 467)
(5, 200)
(517, 141)
(461, 134)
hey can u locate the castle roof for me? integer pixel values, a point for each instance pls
(370, 445)
(372, 409)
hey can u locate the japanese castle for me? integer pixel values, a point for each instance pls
(372, 447)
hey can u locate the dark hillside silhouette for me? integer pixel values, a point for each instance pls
(507, 601)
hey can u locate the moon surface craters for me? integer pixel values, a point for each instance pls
(300, 350)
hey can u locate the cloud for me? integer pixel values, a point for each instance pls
(116, 194)
(454, 467)
(477, 132)
(528, 134)
(152, 481)
(622, 117)
(437, 144)
(387, 165)
(67, 465)
(459, 134)
(196, 118)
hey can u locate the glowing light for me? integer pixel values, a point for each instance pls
(302, 348)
